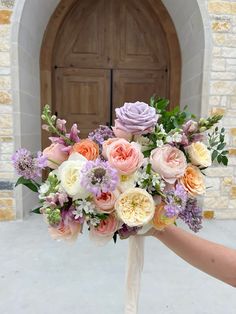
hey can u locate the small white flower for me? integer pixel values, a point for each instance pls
(177, 137)
(162, 130)
(44, 188)
(78, 213)
(94, 221)
(88, 207)
(159, 143)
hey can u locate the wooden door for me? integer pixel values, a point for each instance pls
(82, 96)
(108, 52)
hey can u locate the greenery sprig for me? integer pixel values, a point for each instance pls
(217, 145)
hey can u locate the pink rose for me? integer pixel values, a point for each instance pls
(105, 203)
(169, 162)
(55, 155)
(120, 133)
(105, 230)
(67, 230)
(124, 156)
(106, 144)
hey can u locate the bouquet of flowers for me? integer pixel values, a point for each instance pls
(146, 171)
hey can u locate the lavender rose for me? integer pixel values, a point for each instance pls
(136, 118)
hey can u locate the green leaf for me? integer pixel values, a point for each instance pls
(147, 153)
(214, 155)
(28, 183)
(115, 237)
(219, 159)
(225, 152)
(36, 210)
(221, 146)
(149, 168)
(224, 160)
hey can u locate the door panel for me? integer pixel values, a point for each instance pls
(82, 96)
(136, 85)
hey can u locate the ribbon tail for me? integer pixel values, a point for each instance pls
(133, 273)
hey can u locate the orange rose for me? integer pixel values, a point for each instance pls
(87, 148)
(193, 181)
(160, 220)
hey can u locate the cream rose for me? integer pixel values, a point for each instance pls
(135, 207)
(169, 162)
(69, 173)
(199, 154)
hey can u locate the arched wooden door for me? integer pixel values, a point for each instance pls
(107, 52)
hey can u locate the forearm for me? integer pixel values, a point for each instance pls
(214, 259)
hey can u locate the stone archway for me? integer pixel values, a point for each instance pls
(30, 20)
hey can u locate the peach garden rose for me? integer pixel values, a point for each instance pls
(160, 220)
(169, 162)
(104, 232)
(106, 201)
(125, 157)
(193, 181)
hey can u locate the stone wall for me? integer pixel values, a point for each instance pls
(6, 114)
(222, 196)
(221, 85)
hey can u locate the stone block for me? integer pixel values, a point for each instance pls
(221, 26)
(7, 3)
(218, 64)
(223, 87)
(223, 75)
(6, 194)
(228, 52)
(233, 192)
(216, 202)
(6, 202)
(219, 171)
(232, 204)
(220, 7)
(7, 214)
(212, 184)
(216, 51)
(5, 82)
(233, 102)
(6, 121)
(228, 181)
(5, 98)
(233, 131)
(232, 152)
(217, 111)
(5, 16)
(214, 100)
(5, 59)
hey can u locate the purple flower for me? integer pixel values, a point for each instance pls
(190, 126)
(101, 134)
(126, 231)
(176, 201)
(27, 165)
(61, 125)
(136, 118)
(74, 133)
(99, 177)
(192, 215)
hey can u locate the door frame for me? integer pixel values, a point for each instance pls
(54, 25)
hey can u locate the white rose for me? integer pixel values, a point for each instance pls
(127, 182)
(69, 173)
(199, 154)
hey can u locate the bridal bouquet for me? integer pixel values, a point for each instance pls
(146, 171)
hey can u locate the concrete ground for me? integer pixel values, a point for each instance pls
(41, 276)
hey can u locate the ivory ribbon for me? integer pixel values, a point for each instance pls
(133, 273)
